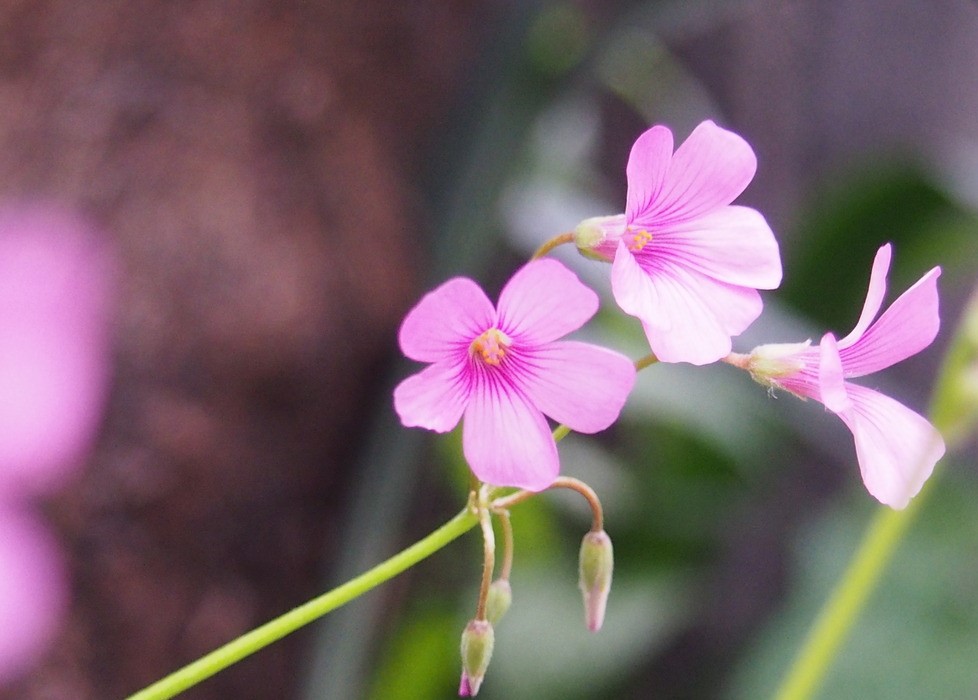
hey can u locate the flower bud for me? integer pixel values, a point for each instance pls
(500, 598)
(477, 641)
(598, 236)
(596, 566)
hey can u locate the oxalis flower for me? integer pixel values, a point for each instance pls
(896, 448)
(504, 369)
(686, 262)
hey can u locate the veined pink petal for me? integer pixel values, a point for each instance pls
(832, 387)
(451, 315)
(907, 327)
(33, 593)
(580, 385)
(688, 317)
(874, 296)
(648, 165)
(733, 244)
(709, 170)
(544, 301)
(896, 448)
(434, 398)
(507, 441)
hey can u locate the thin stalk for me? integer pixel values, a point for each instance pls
(272, 631)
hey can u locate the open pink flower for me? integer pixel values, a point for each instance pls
(505, 369)
(896, 448)
(687, 263)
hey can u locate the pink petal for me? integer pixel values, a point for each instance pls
(687, 317)
(54, 314)
(507, 442)
(33, 593)
(708, 171)
(907, 327)
(897, 448)
(733, 244)
(544, 301)
(433, 398)
(832, 387)
(447, 318)
(580, 385)
(648, 165)
(874, 297)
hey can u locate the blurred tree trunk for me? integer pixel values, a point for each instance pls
(254, 165)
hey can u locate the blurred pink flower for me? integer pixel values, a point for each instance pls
(687, 263)
(896, 448)
(504, 369)
(53, 376)
(33, 593)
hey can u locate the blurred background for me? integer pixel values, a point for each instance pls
(279, 181)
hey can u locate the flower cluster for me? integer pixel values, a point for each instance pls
(688, 263)
(53, 301)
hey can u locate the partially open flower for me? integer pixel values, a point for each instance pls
(896, 448)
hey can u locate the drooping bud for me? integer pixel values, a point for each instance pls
(499, 600)
(596, 566)
(477, 642)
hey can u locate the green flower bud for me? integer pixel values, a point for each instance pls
(477, 641)
(596, 566)
(500, 598)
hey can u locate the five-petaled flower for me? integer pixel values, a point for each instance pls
(505, 368)
(687, 263)
(896, 448)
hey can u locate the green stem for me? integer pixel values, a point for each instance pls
(840, 612)
(249, 643)
(551, 244)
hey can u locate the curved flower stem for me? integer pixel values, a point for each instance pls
(506, 525)
(489, 551)
(839, 614)
(553, 243)
(643, 362)
(249, 643)
(597, 513)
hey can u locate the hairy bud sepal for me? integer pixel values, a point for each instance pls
(597, 563)
(477, 643)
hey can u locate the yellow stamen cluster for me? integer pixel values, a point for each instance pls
(491, 346)
(640, 239)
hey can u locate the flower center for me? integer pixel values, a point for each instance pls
(639, 239)
(491, 346)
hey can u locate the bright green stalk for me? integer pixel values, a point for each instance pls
(258, 638)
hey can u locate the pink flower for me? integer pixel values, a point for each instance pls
(33, 593)
(505, 369)
(687, 263)
(53, 347)
(896, 448)
(53, 372)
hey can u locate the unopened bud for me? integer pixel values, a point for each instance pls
(477, 641)
(499, 600)
(597, 237)
(596, 566)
